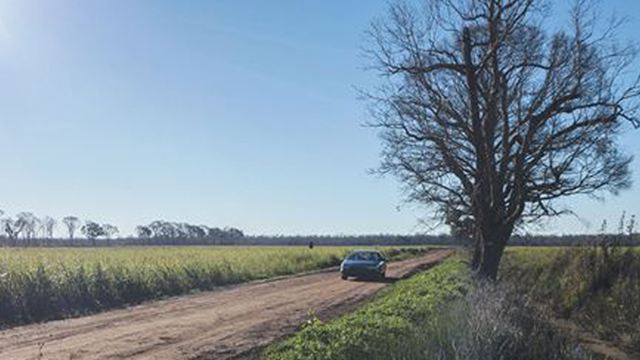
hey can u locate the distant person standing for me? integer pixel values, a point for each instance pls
(310, 244)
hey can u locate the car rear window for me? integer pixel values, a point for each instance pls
(364, 256)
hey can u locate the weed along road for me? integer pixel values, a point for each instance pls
(213, 325)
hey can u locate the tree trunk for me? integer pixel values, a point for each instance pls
(490, 243)
(490, 263)
(477, 253)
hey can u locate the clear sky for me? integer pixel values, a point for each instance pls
(238, 113)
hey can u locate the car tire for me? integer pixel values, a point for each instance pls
(382, 276)
(344, 277)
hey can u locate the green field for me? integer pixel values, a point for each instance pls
(38, 284)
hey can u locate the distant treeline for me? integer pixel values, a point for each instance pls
(26, 229)
(235, 237)
(442, 239)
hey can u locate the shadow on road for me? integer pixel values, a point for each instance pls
(386, 280)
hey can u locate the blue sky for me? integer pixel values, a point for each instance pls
(239, 113)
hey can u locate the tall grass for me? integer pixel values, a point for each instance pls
(495, 321)
(44, 284)
(597, 287)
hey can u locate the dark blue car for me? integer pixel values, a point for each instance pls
(364, 263)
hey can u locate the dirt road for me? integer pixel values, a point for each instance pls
(214, 325)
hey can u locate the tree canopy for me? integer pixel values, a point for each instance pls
(490, 119)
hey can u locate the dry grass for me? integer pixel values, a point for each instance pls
(597, 287)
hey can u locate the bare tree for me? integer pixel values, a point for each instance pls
(485, 114)
(72, 223)
(13, 228)
(29, 224)
(109, 232)
(48, 225)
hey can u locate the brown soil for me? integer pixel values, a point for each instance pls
(214, 325)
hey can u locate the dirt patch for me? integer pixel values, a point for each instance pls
(217, 325)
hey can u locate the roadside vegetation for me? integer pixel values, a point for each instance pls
(437, 314)
(45, 284)
(596, 287)
(383, 327)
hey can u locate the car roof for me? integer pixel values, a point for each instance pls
(365, 251)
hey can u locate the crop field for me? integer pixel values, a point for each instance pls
(50, 283)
